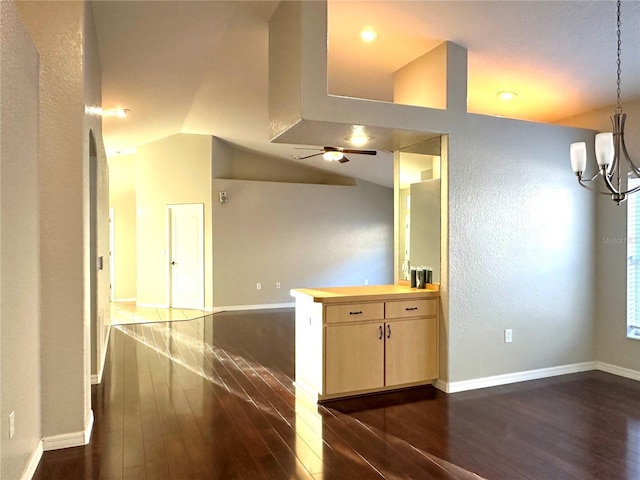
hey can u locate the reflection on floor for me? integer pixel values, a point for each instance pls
(213, 398)
(124, 313)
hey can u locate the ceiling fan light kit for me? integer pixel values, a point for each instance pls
(333, 155)
(336, 154)
(610, 149)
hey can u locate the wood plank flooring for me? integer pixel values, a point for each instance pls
(213, 398)
(124, 313)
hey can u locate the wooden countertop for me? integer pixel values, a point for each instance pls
(365, 293)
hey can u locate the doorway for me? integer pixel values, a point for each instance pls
(112, 255)
(185, 235)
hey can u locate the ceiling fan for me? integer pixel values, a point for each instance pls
(336, 154)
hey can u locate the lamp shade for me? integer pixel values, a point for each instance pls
(578, 153)
(605, 152)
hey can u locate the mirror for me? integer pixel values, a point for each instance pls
(419, 208)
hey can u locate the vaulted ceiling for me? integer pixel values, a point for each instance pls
(202, 66)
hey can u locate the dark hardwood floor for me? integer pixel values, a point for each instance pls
(213, 398)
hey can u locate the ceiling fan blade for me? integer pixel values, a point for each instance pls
(308, 156)
(360, 152)
(343, 160)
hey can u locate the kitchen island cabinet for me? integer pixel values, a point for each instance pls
(358, 340)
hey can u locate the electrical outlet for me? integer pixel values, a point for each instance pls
(258, 286)
(366, 281)
(508, 335)
(12, 424)
(277, 284)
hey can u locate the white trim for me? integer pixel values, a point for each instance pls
(440, 385)
(88, 428)
(66, 440)
(112, 253)
(485, 382)
(266, 306)
(152, 305)
(128, 300)
(96, 379)
(620, 371)
(34, 461)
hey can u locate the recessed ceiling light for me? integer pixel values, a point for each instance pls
(358, 136)
(506, 96)
(368, 34)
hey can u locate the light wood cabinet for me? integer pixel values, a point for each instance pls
(410, 351)
(355, 340)
(354, 357)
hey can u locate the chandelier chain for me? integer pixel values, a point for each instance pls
(619, 107)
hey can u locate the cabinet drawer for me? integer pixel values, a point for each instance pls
(411, 308)
(354, 312)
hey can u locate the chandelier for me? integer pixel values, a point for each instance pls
(610, 151)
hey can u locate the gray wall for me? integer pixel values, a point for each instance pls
(612, 346)
(20, 265)
(521, 236)
(518, 233)
(69, 72)
(300, 235)
(95, 154)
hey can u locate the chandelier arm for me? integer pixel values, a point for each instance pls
(633, 190)
(623, 147)
(633, 166)
(607, 182)
(590, 188)
(592, 178)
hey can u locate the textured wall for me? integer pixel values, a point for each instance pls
(56, 29)
(97, 239)
(521, 235)
(19, 266)
(299, 235)
(517, 234)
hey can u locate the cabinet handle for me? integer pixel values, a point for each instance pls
(381, 332)
(408, 309)
(388, 331)
(356, 313)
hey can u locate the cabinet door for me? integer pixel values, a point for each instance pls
(354, 357)
(411, 353)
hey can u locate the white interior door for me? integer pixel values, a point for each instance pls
(186, 262)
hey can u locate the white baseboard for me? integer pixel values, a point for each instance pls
(440, 385)
(266, 306)
(34, 461)
(96, 379)
(620, 371)
(120, 300)
(73, 439)
(485, 382)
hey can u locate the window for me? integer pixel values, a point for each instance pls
(633, 262)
